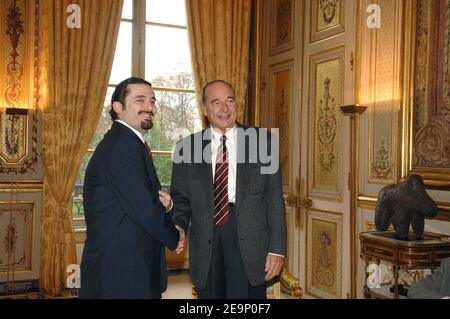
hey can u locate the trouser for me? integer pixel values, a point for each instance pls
(227, 277)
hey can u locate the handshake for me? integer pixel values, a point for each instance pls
(167, 202)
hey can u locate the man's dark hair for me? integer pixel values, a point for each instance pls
(212, 82)
(122, 91)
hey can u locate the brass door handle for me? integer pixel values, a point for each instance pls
(290, 200)
(305, 202)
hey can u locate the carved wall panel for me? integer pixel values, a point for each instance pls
(326, 95)
(21, 147)
(16, 227)
(282, 37)
(18, 53)
(383, 111)
(19, 234)
(281, 101)
(324, 248)
(19, 140)
(380, 89)
(328, 19)
(430, 114)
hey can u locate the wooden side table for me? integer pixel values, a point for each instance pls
(418, 254)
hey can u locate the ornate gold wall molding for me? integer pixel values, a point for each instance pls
(281, 102)
(325, 132)
(324, 251)
(327, 19)
(19, 33)
(282, 30)
(385, 65)
(16, 235)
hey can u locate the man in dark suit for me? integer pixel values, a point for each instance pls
(434, 286)
(128, 218)
(235, 209)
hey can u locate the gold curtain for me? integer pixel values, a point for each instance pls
(219, 35)
(75, 69)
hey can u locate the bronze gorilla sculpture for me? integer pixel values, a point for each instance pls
(404, 204)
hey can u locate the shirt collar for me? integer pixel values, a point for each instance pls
(139, 134)
(216, 135)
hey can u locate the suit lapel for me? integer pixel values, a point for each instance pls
(204, 170)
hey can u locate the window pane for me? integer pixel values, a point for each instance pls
(167, 53)
(166, 11)
(104, 123)
(121, 68)
(177, 117)
(77, 193)
(127, 10)
(163, 166)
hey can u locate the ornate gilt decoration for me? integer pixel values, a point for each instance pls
(12, 134)
(324, 254)
(382, 166)
(328, 9)
(16, 222)
(280, 118)
(283, 19)
(323, 271)
(20, 166)
(326, 129)
(14, 69)
(431, 109)
(19, 86)
(432, 144)
(10, 239)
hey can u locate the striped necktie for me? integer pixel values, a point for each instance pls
(221, 185)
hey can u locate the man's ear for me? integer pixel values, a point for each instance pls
(204, 110)
(117, 107)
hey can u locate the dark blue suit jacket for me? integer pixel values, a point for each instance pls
(127, 226)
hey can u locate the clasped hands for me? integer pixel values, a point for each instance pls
(167, 202)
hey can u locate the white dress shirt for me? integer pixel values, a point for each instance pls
(231, 144)
(139, 134)
(231, 151)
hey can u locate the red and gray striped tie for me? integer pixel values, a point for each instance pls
(221, 185)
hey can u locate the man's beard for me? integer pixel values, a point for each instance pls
(146, 125)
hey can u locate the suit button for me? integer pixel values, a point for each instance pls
(209, 241)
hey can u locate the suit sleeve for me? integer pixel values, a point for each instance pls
(128, 178)
(430, 286)
(276, 213)
(179, 190)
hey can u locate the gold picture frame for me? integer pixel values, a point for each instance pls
(427, 95)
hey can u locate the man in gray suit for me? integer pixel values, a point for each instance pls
(231, 199)
(435, 286)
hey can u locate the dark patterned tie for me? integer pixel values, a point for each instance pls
(221, 185)
(152, 170)
(148, 150)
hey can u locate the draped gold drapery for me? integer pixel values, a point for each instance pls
(75, 69)
(219, 35)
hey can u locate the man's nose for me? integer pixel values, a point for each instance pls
(225, 107)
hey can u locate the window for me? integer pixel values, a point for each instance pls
(152, 44)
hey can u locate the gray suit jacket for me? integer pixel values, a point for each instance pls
(434, 286)
(260, 210)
